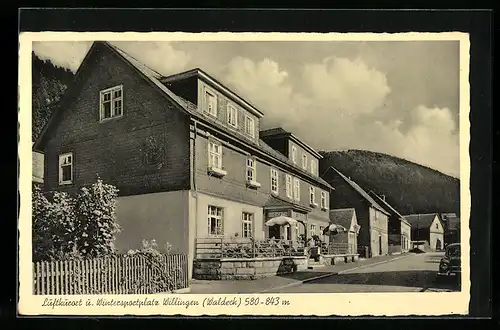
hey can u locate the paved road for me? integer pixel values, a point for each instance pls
(411, 273)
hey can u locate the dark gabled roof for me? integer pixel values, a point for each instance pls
(197, 72)
(281, 132)
(342, 217)
(359, 190)
(154, 78)
(388, 206)
(273, 131)
(421, 220)
(453, 223)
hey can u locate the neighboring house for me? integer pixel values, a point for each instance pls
(451, 224)
(184, 152)
(399, 228)
(371, 216)
(347, 219)
(37, 167)
(427, 228)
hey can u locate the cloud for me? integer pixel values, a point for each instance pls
(335, 104)
(348, 84)
(160, 56)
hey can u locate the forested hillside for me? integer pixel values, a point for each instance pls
(409, 187)
(49, 83)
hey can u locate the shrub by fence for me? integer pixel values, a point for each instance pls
(123, 274)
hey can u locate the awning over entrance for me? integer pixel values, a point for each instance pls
(275, 203)
(281, 221)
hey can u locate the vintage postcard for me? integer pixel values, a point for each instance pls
(244, 174)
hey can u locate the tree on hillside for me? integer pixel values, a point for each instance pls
(409, 187)
(49, 82)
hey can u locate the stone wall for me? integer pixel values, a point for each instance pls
(330, 259)
(246, 269)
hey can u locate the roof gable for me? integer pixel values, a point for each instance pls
(422, 220)
(343, 217)
(150, 75)
(359, 190)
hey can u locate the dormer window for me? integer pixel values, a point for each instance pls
(304, 161)
(211, 103)
(294, 154)
(111, 103)
(313, 166)
(232, 116)
(249, 126)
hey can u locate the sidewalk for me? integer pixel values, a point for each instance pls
(268, 283)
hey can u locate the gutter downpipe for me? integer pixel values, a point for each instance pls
(195, 192)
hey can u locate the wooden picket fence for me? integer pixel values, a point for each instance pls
(110, 275)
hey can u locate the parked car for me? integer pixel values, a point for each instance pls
(450, 264)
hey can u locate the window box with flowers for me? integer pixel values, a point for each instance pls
(251, 173)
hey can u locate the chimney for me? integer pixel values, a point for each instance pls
(383, 197)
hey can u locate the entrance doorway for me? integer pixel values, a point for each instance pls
(438, 245)
(274, 231)
(380, 245)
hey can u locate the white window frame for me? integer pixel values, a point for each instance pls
(274, 181)
(232, 115)
(324, 204)
(289, 186)
(250, 131)
(212, 152)
(294, 154)
(312, 230)
(313, 166)
(112, 99)
(218, 218)
(304, 161)
(63, 161)
(321, 236)
(210, 108)
(312, 195)
(247, 219)
(296, 189)
(251, 167)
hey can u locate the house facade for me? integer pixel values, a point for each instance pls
(427, 228)
(184, 151)
(347, 219)
(37, 168)
(371, 216)
(399, 229)
(451, 224)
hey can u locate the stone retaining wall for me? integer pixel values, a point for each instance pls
(246, 269)
(339, 259)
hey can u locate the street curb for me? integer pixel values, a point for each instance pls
(329, 274)
(374, 264)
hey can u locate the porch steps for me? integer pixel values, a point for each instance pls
(314, 265)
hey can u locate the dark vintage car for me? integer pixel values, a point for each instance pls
(450, 264)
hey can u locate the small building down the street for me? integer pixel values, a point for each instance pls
(427, 230)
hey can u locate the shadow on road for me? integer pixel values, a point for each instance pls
(416, 279)
(303, 275)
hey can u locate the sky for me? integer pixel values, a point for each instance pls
(396, 97)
